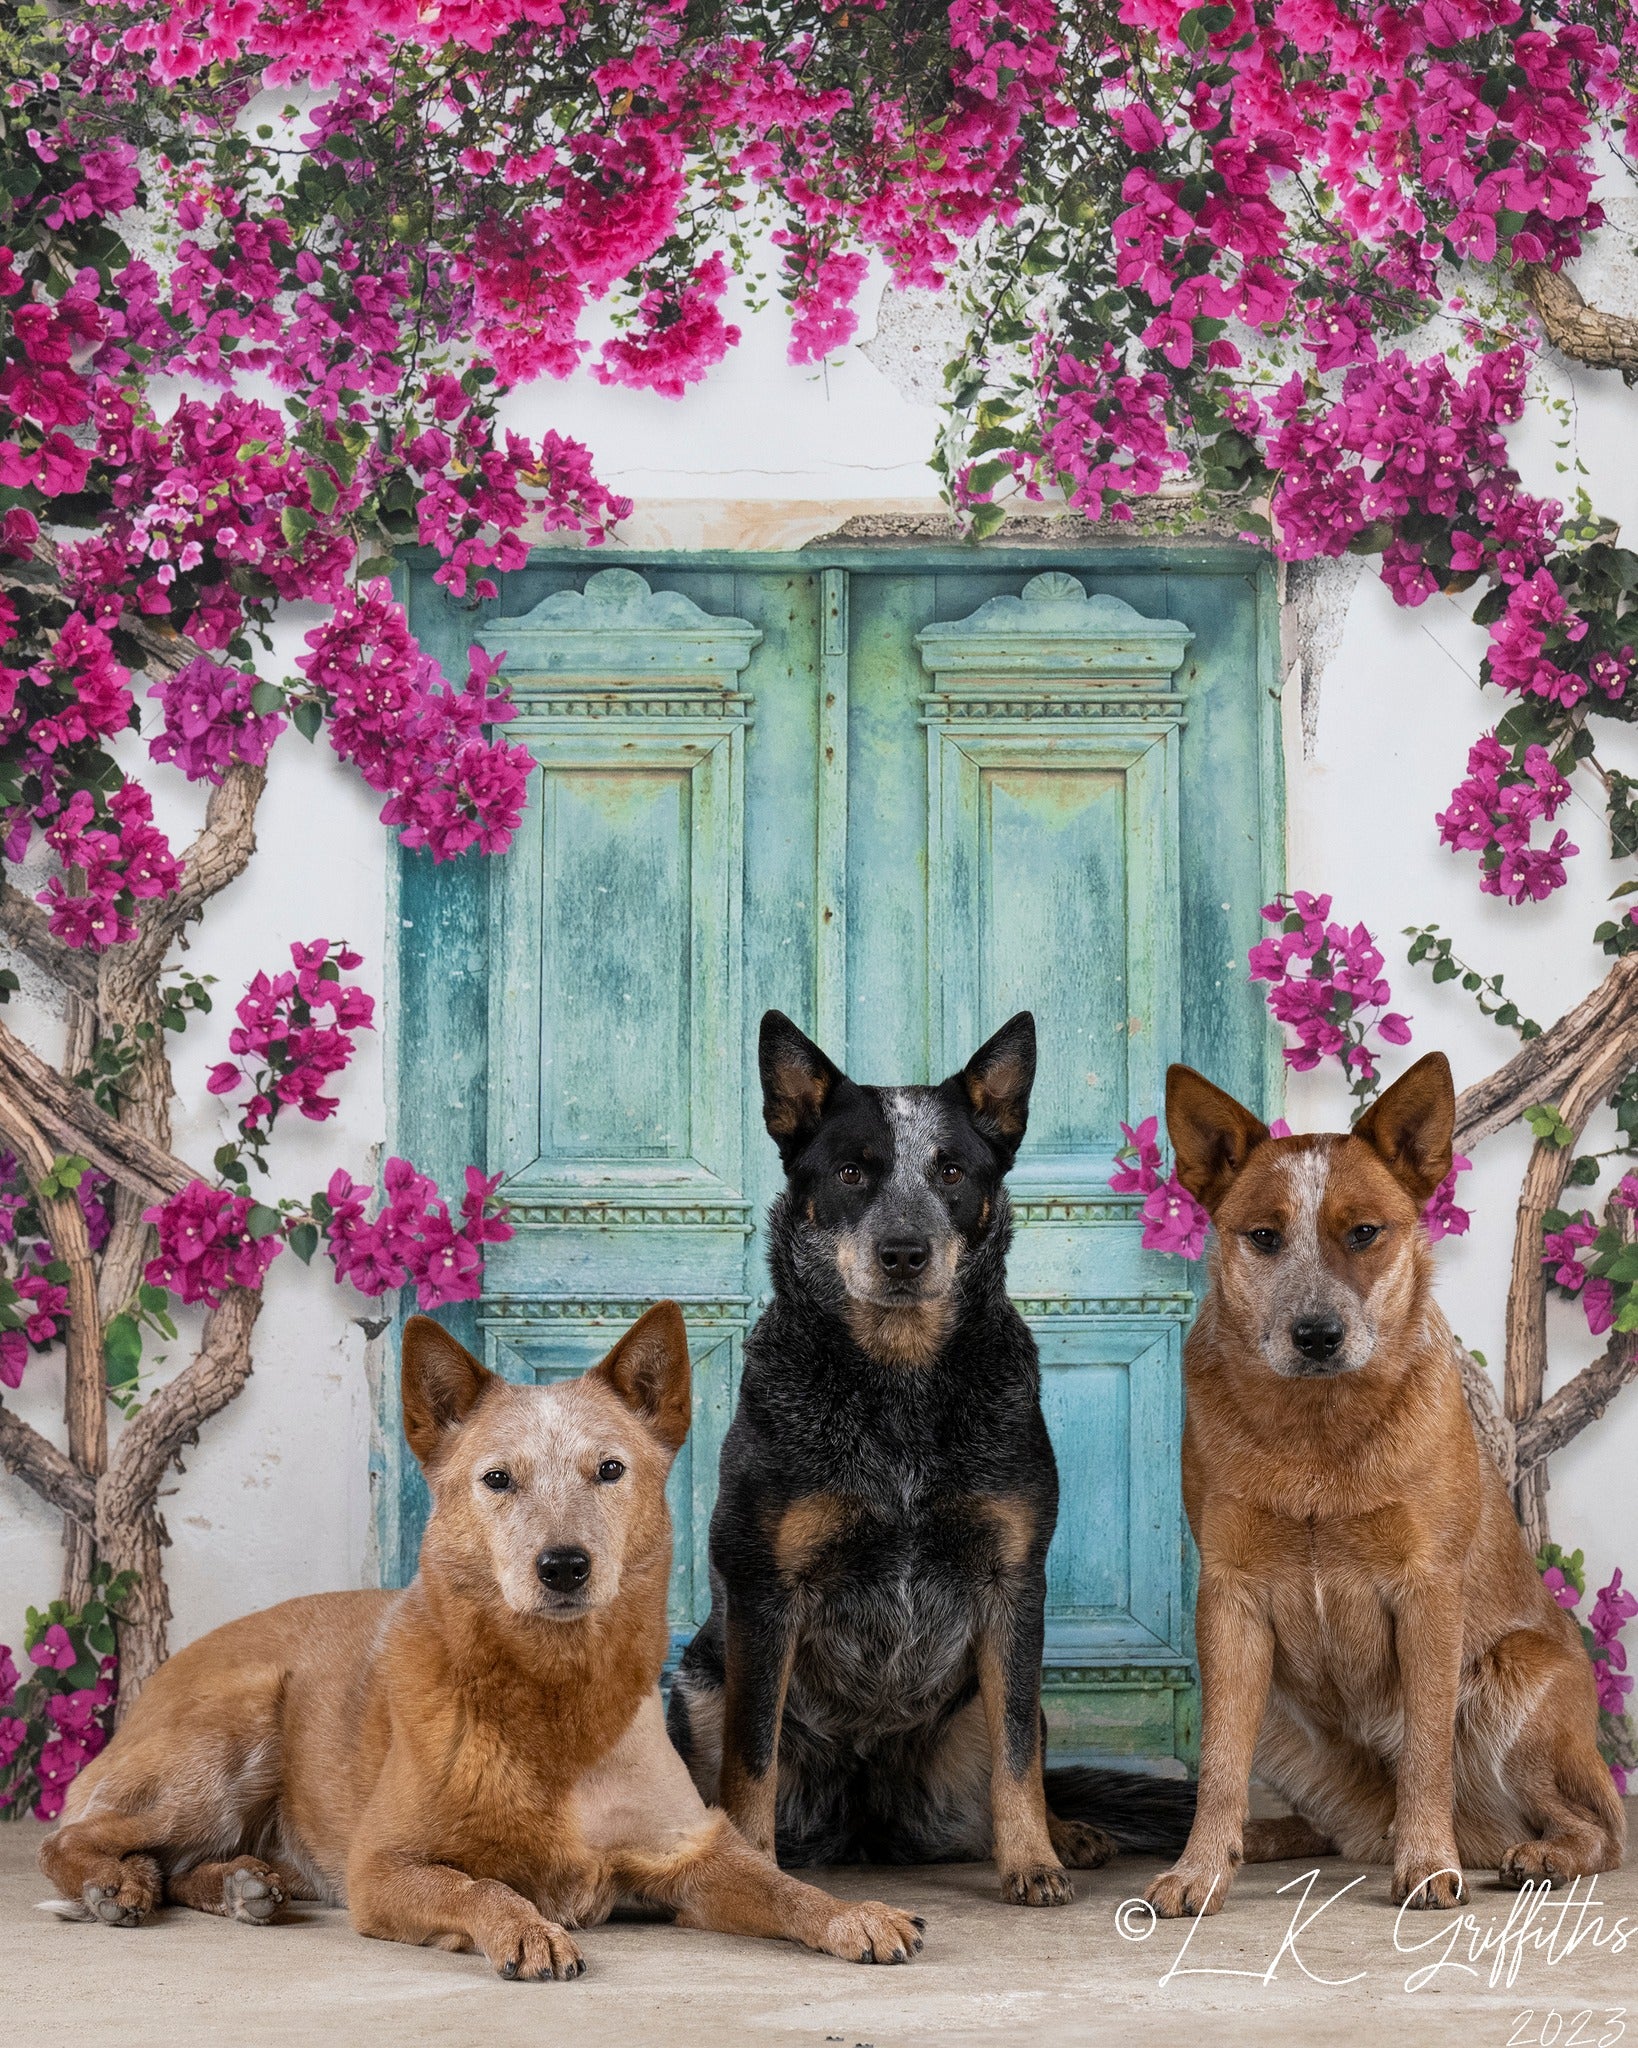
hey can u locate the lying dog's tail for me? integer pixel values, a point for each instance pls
(1140, 1810)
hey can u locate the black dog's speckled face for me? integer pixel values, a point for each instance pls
(889, 1188)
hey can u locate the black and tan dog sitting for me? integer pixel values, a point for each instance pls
(868, 1684)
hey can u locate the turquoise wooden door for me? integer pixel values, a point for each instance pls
(899, 798)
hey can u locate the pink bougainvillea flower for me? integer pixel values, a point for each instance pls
(54, 1650)
(1560, 1588)
(1173, 1221)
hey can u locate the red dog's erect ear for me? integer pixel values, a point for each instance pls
(648, 1369)
(1212, 1135)
(442, 1384)
(1412, 1126)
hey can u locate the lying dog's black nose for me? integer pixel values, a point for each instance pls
(903, 1255)
(564, 1570)
(1318, 1337)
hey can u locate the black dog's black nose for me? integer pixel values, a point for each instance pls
(903, 1255)
(564, 1570)
(1318, 1337)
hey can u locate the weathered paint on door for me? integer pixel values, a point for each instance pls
(900, 797)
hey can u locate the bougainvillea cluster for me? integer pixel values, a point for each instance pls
(57, 1718)
(1564, 1574)
(33, 1280)
(283, 1049)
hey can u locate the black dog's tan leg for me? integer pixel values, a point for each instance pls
(1235, 1645)
(1009, 1683)
(720, 1883)
(759, 1645)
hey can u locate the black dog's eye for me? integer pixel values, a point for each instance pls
(610, 1470)
(498, 1481)
(1267, 1241)
(951, 1174)
(850, 1175)
(1363, 1234)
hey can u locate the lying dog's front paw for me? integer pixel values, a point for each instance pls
(1188, 1890)
(1428, 1883)
(873, 1933)
(1080, 1846)
(1037, 1884)
(536, 1952)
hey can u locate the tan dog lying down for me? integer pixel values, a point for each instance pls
(1373, 1635)
(480, 1761)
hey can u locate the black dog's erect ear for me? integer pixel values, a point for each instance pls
(1410, 1126)
(442, 1384)
(1212, 1135)
(648, 1369)
(995, 1084)
(796, 1083)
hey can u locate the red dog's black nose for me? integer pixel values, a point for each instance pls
(1318, 1337)
(903, 1255)
(564, 1570)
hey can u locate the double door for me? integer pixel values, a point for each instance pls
(898, 799)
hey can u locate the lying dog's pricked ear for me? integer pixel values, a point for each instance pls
(797, 1080)
(1412, 1126)
(648, 1370)
(442, 1384)
(995, 1084)
(1212, 1135)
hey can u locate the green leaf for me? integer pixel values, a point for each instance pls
(321, 488)
(377, 565)
(122, 1350)
(986, 476)
(1549, 1127)
(262, 1222)
(295, 524)
(266, 698)
(988, 519)
(307, 717)
(304, 1240)
(1583, 1171)
(1200, 24)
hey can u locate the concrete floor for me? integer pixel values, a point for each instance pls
(990, 1974)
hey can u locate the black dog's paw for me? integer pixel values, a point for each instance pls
(1078, 1845)
(1040, 1884)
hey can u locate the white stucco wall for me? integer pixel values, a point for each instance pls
(276, 1498)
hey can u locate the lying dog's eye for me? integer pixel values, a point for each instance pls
(951, 1174)
(850, 1176)
(498, 1481)
(610, 1470)
(1265, 1240)
(1363, 1234)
